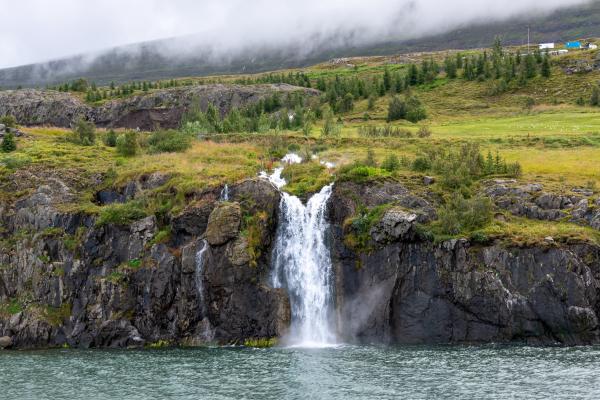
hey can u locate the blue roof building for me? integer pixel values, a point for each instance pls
(573, 45)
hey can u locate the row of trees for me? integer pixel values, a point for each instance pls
(95, 93)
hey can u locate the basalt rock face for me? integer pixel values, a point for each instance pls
(407, 290)
(162, 108)
(65, 280)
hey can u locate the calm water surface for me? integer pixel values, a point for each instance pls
(347, 372)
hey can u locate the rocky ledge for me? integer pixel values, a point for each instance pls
(161, 108)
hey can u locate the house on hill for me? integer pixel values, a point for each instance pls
(573, 45)
(546, 46)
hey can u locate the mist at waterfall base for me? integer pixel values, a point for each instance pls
(344, 373)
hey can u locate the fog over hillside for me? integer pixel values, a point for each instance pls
(237, 36)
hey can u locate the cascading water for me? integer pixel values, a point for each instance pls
(302, 265)
(206, 332)
(200, 259)
(224, 193)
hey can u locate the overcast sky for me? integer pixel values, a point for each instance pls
(40, 30)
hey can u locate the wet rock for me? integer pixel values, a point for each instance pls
(5, 342)
(193, 221)
(108, 196)
(237, 252)
(223, 223)
(395, 225)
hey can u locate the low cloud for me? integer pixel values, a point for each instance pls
(39, 30)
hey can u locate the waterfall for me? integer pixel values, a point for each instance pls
(302, 265)
(206, 331)
(224, 193)
(200, 274)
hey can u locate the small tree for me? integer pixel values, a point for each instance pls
(9, 121)
(396, 109)
(415, 111)
(330, 127)
(424, 132)
(85, 132)
(391, 163)
(111, 138)
(370, 160)
(546, 71)
(127, 144)
(595, 98)
(8, 143)
(371, 103)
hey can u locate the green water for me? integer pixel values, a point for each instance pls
(348, 372)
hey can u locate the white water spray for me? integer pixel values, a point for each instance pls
(302, 264)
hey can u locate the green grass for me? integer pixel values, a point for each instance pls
(306, 178)
(260, 343)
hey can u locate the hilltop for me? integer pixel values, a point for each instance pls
(147, 61)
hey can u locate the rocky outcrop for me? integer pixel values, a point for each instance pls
(64, 280)
(406, 290)
(161, 108)
(531, 201)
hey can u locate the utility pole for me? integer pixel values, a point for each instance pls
(528, 31)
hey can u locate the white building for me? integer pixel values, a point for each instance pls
(592, 46)
(544, 46)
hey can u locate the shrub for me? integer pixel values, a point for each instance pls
(595, 97)
(169, 142)
(8, 143)
(330, 126)
(409, 109)
(464, 215)
(391, 163)
(110, 139)
(529, 102)
(15, 162)
(415, 111)
(9, 121)
(396, 109)
(421, 164)
(121, 214)
(370, 159)
(84, 132)
(424, 132)
(385, 131)
(127, 144)
(361, 173)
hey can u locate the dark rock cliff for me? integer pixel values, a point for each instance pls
(64, 279)
(406, 290)
(161, 108)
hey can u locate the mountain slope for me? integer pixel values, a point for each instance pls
(149, 61)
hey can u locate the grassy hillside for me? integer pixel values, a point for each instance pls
(540, 123)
